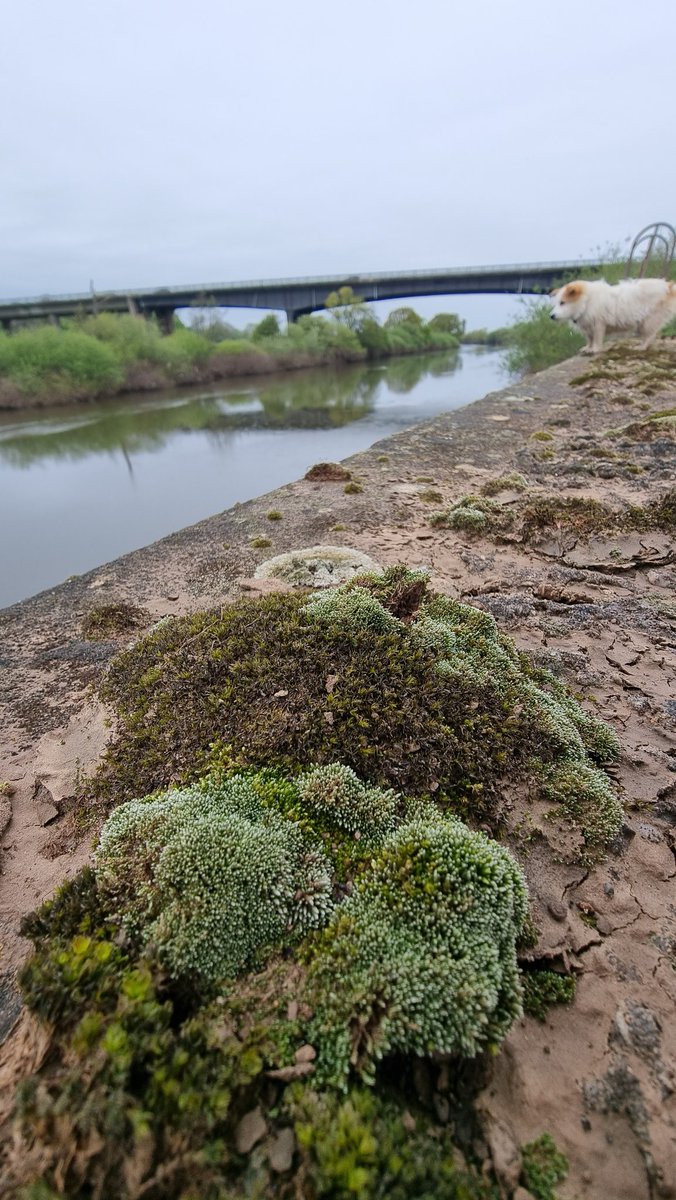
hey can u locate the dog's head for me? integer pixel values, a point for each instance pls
(568, 301)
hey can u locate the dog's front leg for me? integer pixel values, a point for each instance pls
(595, 339)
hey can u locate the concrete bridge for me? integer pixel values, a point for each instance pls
(295, 296)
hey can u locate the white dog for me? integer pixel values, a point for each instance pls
(644, 305)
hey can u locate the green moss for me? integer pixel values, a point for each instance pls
(210, 877)
(586, 800)
(430, 496)
(109, 620)
(424, 950)
(274, 515)
(363, 1147)
(542, 989)
(582, 514)
(352, 488)
(473, 514)
(134, 1084)
(542, 1167)
(513, 482)
(541, 435)
(260, 543)
(410, 690)
(327, 472)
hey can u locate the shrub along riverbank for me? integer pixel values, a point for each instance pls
(97, 356)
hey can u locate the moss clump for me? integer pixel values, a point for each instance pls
(541, 435)
(135, 1088)
(577, 513)
(586, 800)
(513, 482)
(542, 989)
(210, 877)
(338, 798)
(260, 543)
(473, 514)
(327, 472)
(599, 740)
(274, 515)
(430, 496)
(316, 566)
(146, 1080)
(542, 1167)
(351, 489)
(350, 610)
(424, 951)
(410, 690)
(110, 620)
(359, 1147)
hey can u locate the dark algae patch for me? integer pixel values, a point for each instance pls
(292, 917)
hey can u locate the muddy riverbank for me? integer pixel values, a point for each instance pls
(587, 588)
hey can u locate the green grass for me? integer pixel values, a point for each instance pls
(537, 342)
(91, 356)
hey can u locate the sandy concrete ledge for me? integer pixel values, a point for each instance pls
(597, 1075)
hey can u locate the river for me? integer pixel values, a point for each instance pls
(82, 485)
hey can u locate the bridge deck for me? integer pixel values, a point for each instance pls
(296, 296)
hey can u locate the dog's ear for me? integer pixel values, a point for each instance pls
(573, 291)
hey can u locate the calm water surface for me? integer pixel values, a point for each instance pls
(80, 486)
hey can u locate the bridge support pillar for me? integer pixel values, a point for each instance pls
(132, 306)
(164, 318)
(6, 325)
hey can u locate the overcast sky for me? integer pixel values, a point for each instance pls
(146, 142)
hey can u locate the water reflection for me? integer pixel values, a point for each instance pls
(82, 485)
(321, 399)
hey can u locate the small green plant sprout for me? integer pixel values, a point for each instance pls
(542, 1167)
(274, 515)
(352, 488)
(542, 989)
(260, 542)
